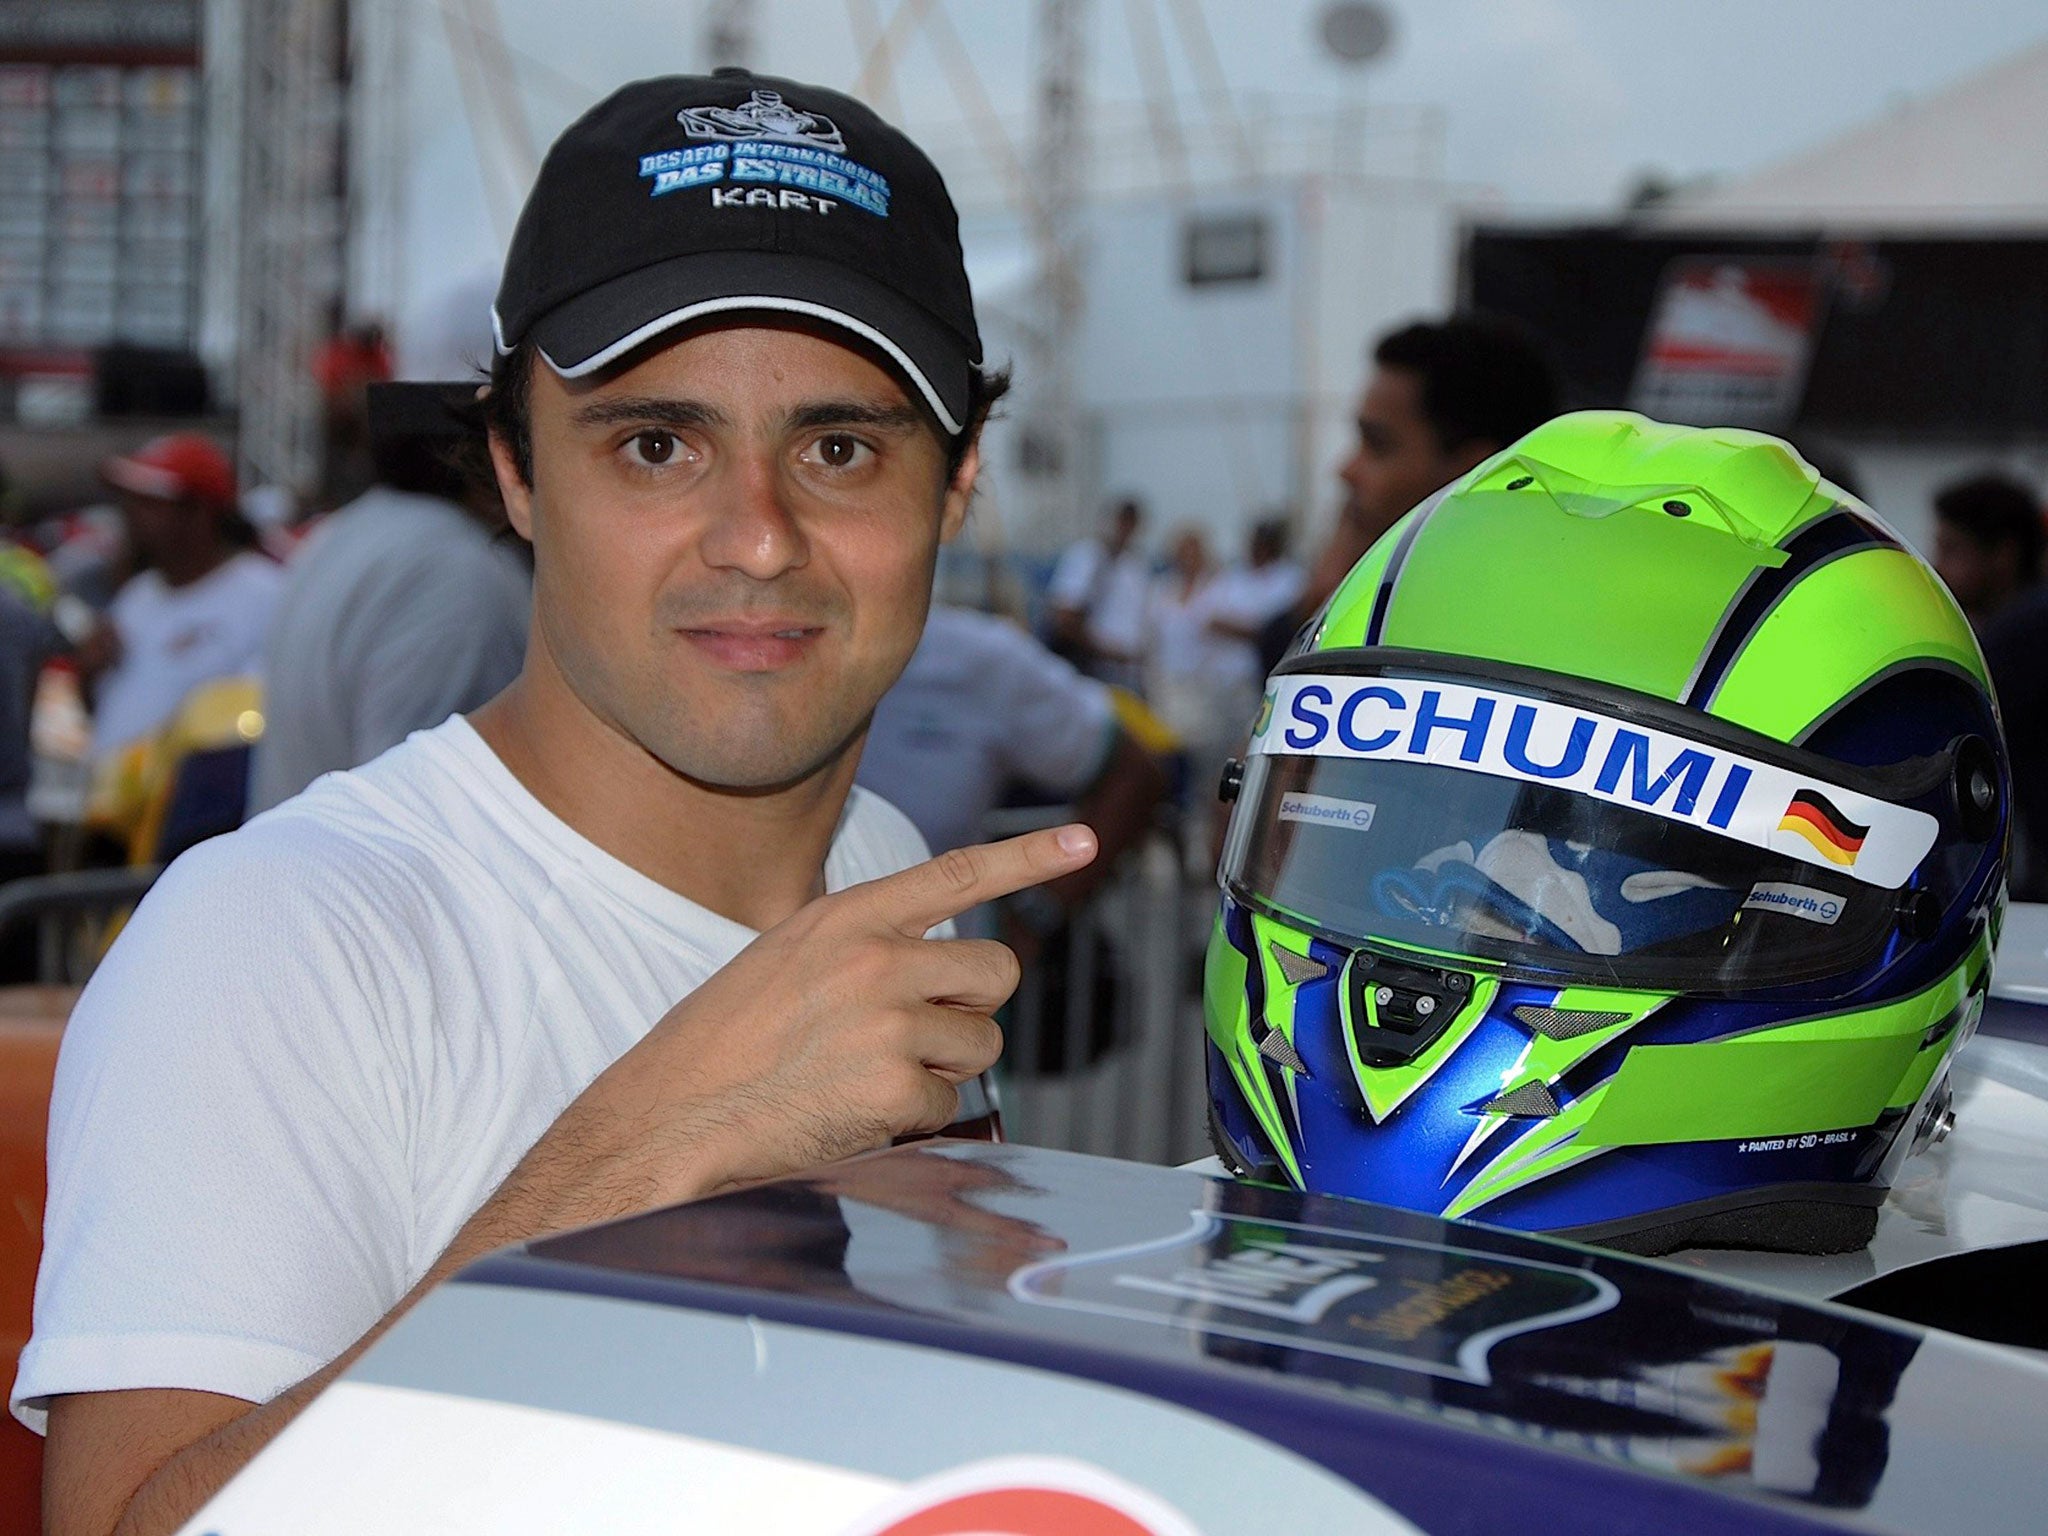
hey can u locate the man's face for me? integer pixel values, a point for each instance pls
(1979, 575)
(733, 546)
(159, 529)
(1398, 461)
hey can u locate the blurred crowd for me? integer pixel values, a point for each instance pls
(187, 651)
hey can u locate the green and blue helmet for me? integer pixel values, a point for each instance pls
(1620, 853)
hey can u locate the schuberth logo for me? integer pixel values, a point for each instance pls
(1834, 836)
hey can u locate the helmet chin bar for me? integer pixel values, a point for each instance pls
(1398, 1010)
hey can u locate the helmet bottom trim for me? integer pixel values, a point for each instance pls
(1779, 1218)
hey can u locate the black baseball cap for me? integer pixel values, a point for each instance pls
(691, 196)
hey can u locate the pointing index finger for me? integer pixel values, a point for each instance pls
(918, 899)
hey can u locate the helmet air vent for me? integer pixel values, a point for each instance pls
(1278, 1049)
(1295, 967)
(1531, 1099)
(1565, 1024)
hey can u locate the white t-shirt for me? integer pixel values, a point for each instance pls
(322, 1043)
(1112, 597)
(175, 638)
(980, 704)
(1249, 596)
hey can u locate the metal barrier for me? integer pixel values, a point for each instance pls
(73, 914)
(1130, 1084)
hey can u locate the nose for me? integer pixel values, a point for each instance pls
(753, 529)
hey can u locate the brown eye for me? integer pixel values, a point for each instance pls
(654, 447)
(838, 450)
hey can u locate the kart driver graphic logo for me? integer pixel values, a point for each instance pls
(763, 116)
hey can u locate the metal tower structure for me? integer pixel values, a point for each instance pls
(1052, 435)
(292, 141)
(729, 33)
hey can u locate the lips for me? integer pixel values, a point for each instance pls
(753, 644)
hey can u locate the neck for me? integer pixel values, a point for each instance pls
(753, 856)
(182, 567)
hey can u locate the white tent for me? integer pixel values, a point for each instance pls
(1968, 158)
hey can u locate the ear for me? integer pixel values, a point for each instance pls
(960, 493)
(515, 492)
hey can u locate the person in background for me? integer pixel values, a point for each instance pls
(1988, 543)
(1242, 602)
(1442, 396)
(403, 608)
(200, 602)
(982, 707)
(1098, 592)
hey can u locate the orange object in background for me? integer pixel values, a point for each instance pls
(31, 1024)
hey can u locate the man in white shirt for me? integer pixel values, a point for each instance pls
(200, 607)
(430, 1006)
(1098, 594)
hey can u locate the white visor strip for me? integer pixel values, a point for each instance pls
(1511, 736)
(727, 304)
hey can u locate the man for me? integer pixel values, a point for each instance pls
(1442, 397)
(1098, 593)
(403, 608)
(1988, 543)
(430, 1007)
(199, 606)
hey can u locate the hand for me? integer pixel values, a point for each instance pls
(833, 1032)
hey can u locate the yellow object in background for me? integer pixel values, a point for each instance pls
(131, 791)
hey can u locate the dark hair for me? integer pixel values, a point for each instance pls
(1269, 538)
(1993, 510)
(507, 407)
(1484, 378)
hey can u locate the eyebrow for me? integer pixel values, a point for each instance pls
(854, 413)
(662, 411)
(652, 410)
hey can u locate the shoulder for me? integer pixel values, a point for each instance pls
(874, 839)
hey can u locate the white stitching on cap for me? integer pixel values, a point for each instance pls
(676, 317)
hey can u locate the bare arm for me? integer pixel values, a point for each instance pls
(832, 1033)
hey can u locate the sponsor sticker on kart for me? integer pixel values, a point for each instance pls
(1376, 1299)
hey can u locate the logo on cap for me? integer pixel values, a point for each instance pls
(763, 116)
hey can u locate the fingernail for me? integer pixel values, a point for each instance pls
(1076, 839)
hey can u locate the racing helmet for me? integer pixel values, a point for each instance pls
(1619, 854)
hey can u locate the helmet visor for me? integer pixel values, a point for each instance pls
(1423, 849)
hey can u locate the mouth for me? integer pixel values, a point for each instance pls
(753, 645)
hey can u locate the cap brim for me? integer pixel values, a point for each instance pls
(140, 479)
(600, 326)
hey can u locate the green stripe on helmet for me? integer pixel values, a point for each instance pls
(1843, 624)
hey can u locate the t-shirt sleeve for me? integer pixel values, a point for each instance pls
(229, 1196)
(1056, 725)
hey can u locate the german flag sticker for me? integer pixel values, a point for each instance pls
(1834, 836)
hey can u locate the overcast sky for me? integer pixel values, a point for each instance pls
(1550, 104)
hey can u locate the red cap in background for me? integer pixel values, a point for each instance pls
(183, 466)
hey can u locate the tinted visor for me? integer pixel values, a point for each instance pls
(1548, 883)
